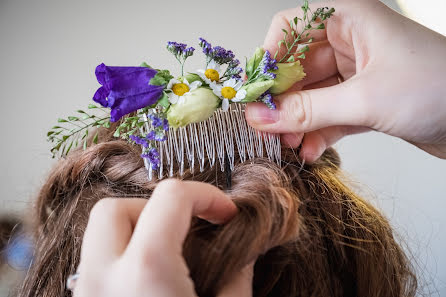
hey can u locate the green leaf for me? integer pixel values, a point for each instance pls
(106, 124)
(117, 132)
(304, 49)
(302, 56)
(164, 101)
(65, 137)
(81, 111)
(85, 145)
(60, 120)
(144, 64)
(295, 20)
(85, 135)
(92, 106)
(72, 118)
(68, 149)
(290, 59)
(321, 26)
(95, 138)
(162, 77)
(49, 133)
(56, 127)
(285, 31)
(254, 61)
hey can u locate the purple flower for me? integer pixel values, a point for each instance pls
(159, 122)
(125, 89)
(139, 140)
(267, 65)
(180, 49)
(153, 156)
(267, 98)
(206, 46)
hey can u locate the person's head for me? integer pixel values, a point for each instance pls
(314, 235)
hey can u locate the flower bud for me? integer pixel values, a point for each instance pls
(255, 89)
(254, 61)
(287, 75)
(198, 105)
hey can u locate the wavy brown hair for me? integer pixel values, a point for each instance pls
(315, 236)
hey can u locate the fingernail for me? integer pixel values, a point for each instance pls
(259, 113)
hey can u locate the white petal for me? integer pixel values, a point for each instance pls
(181, 100)
(217, 91)
(173, 98)
(238, 85)
(186, 82)
(172, 82)
(240, 95)
(231, 83)
(194, 85)
(225, 104)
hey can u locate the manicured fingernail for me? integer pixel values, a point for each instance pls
(259, 113)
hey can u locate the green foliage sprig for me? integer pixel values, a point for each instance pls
(74, 130)
(309, 21)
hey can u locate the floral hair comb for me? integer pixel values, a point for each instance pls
(190, 118)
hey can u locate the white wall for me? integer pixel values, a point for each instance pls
(49, 50)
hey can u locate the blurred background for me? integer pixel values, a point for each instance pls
(49, 50)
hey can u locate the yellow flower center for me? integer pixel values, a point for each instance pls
(180, 89)
(212, 74)
(228, 92)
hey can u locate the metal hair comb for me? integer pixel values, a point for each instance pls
(221, 137)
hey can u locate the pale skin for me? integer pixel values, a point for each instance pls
(133, 247)
(394, 81)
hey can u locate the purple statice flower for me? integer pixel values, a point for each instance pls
(267, 98)
(156, 121)
(165, 125)
(206, 46)
(222, 56)
(234, 63)
(176, 47)
(159, 122)
(139, 140)
(188, 52)
(156, 135)
(125, 89)
(153, 156)
(267, 65)
(180, 50)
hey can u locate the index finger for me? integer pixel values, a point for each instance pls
(166, 218)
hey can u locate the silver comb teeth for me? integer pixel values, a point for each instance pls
(212, 140)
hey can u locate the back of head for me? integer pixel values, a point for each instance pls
(315, 237)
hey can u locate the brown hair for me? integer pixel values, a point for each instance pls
(315, 236)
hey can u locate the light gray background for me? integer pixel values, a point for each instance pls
(49, 50)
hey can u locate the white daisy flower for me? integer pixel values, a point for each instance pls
(230, 90)
(212, 74)
(179, 89)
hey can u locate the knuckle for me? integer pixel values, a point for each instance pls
(169, 185)
(106, 207)
(297, 111)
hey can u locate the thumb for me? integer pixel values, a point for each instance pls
(309, 110)
(241, 284)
